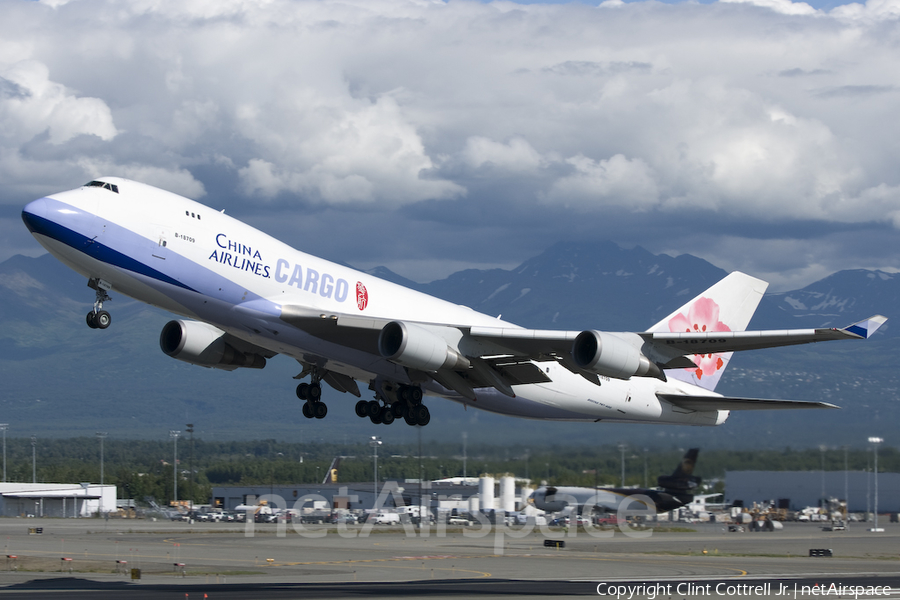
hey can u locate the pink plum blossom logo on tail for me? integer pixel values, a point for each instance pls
(702, 316)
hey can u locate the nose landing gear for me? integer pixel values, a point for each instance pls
(99, 318)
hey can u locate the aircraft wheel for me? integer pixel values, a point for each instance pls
(373, 408)
(415, 395)
(423, 416)
(387, 415)
(376, 418)
(410, 418)
(302, 390)
(103, 319)
(307, 412)
(362, 409)
(403, 393)
(91, 320)
(314, 392)
(397, 409)
(319, 410)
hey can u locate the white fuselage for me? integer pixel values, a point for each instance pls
(191, 260)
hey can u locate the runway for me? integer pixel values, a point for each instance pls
(228, 561)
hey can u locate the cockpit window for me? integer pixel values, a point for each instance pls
(102, 184)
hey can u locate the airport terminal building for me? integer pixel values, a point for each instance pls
(799, 489)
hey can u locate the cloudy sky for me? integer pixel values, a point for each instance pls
(427, 136)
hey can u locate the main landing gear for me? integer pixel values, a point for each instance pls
(407, 406)
(313, 408)
(99, 318)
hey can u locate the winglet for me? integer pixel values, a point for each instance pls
(866, 327)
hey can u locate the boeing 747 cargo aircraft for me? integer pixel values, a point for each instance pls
(245, 297)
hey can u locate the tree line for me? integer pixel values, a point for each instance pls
(141, 468)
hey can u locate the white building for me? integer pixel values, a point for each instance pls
(56, 499)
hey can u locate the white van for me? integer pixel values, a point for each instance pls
(387, 518)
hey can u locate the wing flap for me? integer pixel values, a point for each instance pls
(729, 403)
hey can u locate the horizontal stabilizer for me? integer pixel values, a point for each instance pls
(725, 403)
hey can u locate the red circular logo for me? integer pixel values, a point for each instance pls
(362, 296)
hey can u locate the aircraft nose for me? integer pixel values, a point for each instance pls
(35, 215)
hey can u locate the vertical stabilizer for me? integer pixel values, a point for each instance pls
(683, 479)
(726, 306)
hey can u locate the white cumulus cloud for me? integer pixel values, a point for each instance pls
(33, 104)
(507, 125)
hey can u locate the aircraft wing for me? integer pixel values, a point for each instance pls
(463, 357)
(538, 343)
(362, 333)
(731, 341)
(725, 403)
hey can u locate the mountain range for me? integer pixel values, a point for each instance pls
(62, 379)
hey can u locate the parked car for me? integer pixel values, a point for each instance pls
(607, 520)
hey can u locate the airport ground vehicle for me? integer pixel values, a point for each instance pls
(387, 518)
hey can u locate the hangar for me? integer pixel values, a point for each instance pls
(56, 499)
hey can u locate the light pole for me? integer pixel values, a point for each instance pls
(174, 435)
(101, 435)
(622, 448)
(875, 441)
(4, 427)
(421, 475)
(868, 488)
(645, 469)
(33, 459)
(465, 438)
(822, 449)
(190, 430)
(375, 441)
(846, 491)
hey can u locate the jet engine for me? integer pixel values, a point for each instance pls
(606, 354)
(414, 346)
(204, 345)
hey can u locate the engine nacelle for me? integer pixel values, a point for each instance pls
(605, 354)
(204, 345)
(414, 346)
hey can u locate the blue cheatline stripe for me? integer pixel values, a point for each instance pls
(95, 249)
